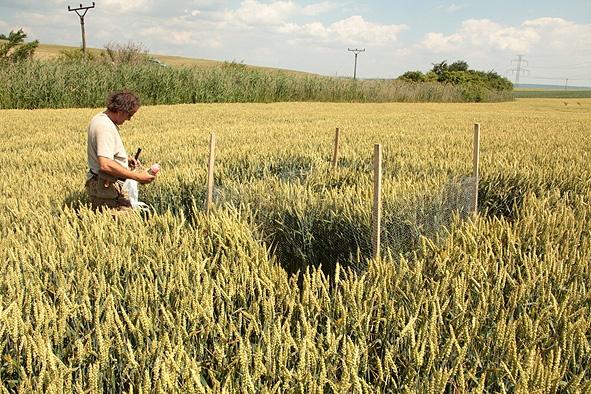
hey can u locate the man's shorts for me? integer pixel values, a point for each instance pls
(103, 194)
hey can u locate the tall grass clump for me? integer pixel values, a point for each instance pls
(74, 82)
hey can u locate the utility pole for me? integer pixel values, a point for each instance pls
(81, 11)
(566, 85)
(519, 69)
(356, 52)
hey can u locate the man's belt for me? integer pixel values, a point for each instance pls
(106, 176)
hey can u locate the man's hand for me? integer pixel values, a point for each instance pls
(110, 167)
(143, 177)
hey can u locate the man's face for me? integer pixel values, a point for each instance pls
(123, 116)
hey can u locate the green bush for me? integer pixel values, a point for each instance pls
(475, 86)
(413, 76)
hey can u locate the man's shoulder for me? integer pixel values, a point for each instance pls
(101, 117)
(101, 123)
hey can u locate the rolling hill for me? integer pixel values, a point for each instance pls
(51, 51)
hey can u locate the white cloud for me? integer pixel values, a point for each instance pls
(560, 34)
(454, 8)
(39, 19)
(168, 35)
(437, 42)
(532, 36)
(35, 24)
(278, 15)
(315, 29)
(402, 52)
(318, 8)
(484, 34)
(356, 29)
(289, 28)
(181, 37)
(214, 43)
(450, 8)
(353, 30)
(124, 5)
(251, 12)
(548, 22)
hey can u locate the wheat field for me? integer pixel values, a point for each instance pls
(274, 292)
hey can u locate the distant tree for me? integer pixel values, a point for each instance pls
(497, 81)
(459, 65)
(412, 76)
(474, 85)
(13, 49)
(440, 68)
(430, 76)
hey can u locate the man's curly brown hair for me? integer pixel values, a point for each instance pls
(123, 101)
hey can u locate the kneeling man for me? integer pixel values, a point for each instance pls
(108, 162)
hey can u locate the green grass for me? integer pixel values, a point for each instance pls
(559, 94)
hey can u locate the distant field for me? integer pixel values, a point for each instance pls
(47, 52)
(547, 93)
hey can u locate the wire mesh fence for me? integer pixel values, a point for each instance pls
(326, 229)
(404, 222)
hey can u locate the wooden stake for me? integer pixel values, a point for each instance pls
(377, 201)
(210, 168)
(335, 155)
(475, 167)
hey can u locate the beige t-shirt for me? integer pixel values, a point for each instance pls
(104, 140)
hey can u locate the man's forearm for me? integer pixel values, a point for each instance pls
(111, 167)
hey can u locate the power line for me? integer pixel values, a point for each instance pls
(560, 78)
(586, 76)
(549, 59)
(573, 72)
(581, 65)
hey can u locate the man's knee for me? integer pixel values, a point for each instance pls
(120, 201)
(119, 204)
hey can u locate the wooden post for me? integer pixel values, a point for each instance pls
(377, 201)
(475, 167)
(210, 167)
(83, 35)
(335, 155)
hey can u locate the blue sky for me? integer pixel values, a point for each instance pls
(554, 37)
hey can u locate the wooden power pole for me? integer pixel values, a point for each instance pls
(356, 52)
(81, 11)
